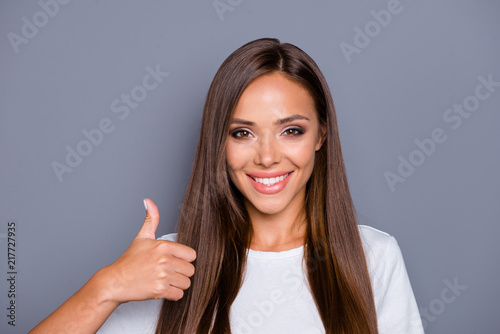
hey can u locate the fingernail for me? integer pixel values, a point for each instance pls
(145, 204)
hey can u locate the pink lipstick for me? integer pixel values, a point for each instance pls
(269, 183)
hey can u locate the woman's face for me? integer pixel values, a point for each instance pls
(273, 136)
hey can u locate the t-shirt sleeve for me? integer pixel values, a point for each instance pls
(397, 310)
(136, 317)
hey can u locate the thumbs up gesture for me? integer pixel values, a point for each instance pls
(149, 268)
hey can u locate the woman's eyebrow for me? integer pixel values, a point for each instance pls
(278, 122)
(242, 122)
(290, 119)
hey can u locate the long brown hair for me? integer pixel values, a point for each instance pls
(215, 223)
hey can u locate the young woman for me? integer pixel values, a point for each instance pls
(267, 221)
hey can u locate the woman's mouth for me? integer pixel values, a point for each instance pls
(269, 185)
(270, 181)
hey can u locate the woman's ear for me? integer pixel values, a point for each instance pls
(321, 137)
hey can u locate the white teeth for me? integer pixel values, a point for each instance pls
(271, 181)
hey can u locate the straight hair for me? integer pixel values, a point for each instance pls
(215, 222)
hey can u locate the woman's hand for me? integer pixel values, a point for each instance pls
(149, 268)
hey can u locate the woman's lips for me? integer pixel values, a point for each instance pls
(269, 183)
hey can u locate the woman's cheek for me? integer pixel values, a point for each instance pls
(302, 153)
(236, 157)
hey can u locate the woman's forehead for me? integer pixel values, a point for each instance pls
(274, 97)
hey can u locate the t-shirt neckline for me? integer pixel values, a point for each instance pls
(275, 255)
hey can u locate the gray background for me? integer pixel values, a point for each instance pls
(395, 90)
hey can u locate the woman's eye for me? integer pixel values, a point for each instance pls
(293, 132)
(241, 134)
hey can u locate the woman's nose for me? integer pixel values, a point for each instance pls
(268, 152)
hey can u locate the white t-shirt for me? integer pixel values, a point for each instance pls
(275, 296)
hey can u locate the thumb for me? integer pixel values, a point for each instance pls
(151, 222)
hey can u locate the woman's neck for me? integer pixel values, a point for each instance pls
(278, 232)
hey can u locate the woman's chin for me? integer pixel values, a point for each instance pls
(267, 208)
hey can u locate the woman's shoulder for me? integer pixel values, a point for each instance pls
(397, 310)
(382, 251)
(374, 239)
